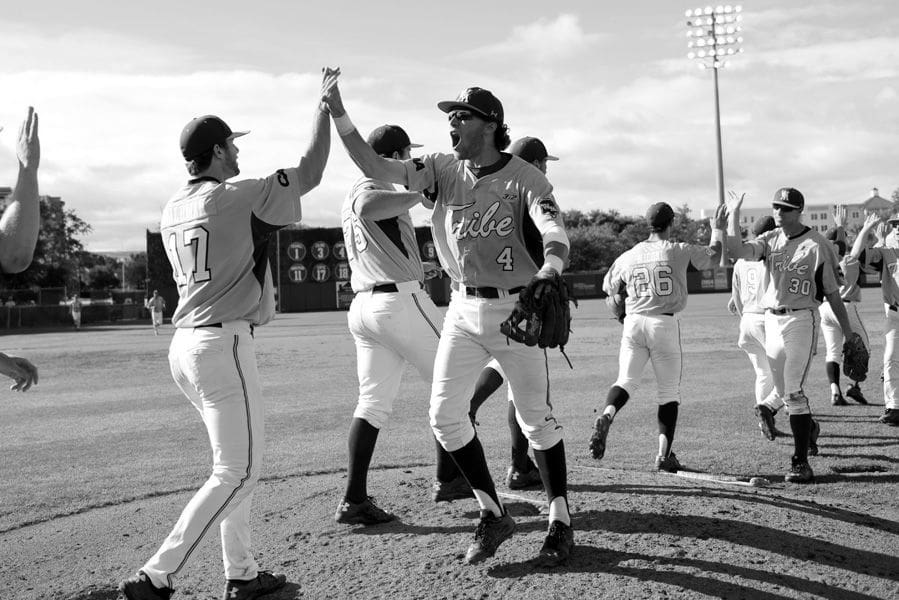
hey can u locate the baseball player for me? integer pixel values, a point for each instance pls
(885, 260)
(802, 270)
(216, 236)
(483, 200)
(76, 305)
(522, 472)
(851, 294)
(156, 304)
(750, 280)
(393, 322)
(653, 274)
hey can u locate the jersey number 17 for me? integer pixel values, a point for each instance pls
(188, 251)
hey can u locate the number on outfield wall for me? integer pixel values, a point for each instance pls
(189, 255)
(505, 259)
(657, 282)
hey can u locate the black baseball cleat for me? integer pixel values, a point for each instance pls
(669, 463)
(454, 489)
(361, 513)
(598, 439)
(489, 534)
(557, 545)
(139, 587)
(855, 393)
(838, 400)
(890, 416)
(800, 472)
(813, 434)
(264, 583)
(766, 421)
(517, 479)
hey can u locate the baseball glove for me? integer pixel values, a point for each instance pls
(615, 302)
(855, 358)
(543, 306)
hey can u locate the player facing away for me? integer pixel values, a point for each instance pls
(851, 294)
(653, 275)
(393, 322)
(76, 306)
(156, 305)
(216, 235)
(749, 283)
(522, 473)
(802, 271)
(483, 200)
(886, 261)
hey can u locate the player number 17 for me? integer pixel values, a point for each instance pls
(189, 255)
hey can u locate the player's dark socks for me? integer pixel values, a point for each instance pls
(617, 397)
(667, 414)
(446, 466)
(520, 444)
(470, 460)
(488, 382)
(801, 425)
(553, 470)
(361, 446)
(833, 372)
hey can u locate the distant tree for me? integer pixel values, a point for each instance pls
(136, 271)
(103, 277)
(895, 196)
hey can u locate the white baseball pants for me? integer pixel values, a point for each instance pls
(833, 333)
(157, 318)
(391, 329)
(752, 342)
(215, 367)
(469, 338)
(654, 338)
(790, 342)
(891, 360)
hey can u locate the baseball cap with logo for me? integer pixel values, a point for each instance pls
(202, 133)
(894, 218)
(659, 216)
(789, 197)
(479, 101)
(387, 139)
(763, 225)
(530, 149)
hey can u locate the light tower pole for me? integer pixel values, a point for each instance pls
(713, 35)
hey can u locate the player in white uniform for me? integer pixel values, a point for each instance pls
(750, 281)
(885, 260)
(522, 473)
(393, 322)
(156, 306)
(851, 294)
(216, 236)
(802, 270)
(76, 311)
(483, 200)
(653, 274)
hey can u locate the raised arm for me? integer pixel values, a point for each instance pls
(385, 204)
(312, 164)
(369, 162)
(21, 220)
(871, 220)
(736, 247)
(839, 220)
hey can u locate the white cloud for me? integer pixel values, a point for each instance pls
(542, 41)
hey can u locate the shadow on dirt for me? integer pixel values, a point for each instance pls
(673, 571)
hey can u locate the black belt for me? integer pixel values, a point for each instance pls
(893, 308)
(783, 311)
(847, 301)
(668, 314)
(384, 288)
(487, 292)
(218, 325)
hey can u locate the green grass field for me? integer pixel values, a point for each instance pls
(106, 426)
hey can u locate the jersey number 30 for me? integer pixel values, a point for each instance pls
(189, 255)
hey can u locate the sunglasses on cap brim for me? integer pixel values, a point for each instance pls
(783, 208)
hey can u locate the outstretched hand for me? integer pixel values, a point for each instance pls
(331, 93)
(21, 371)
(839, 215)
(28, 146)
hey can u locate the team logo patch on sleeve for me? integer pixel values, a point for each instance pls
(419, 164)
(549, 207)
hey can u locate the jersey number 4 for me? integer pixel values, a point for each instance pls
(655, 282)
(189, 255)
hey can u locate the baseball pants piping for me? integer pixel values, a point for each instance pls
(653, 338)
(790, 343)
(216, 369)
(752, 342)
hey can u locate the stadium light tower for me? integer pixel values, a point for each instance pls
(714, 35)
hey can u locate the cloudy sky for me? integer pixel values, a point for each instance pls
(813, 102)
